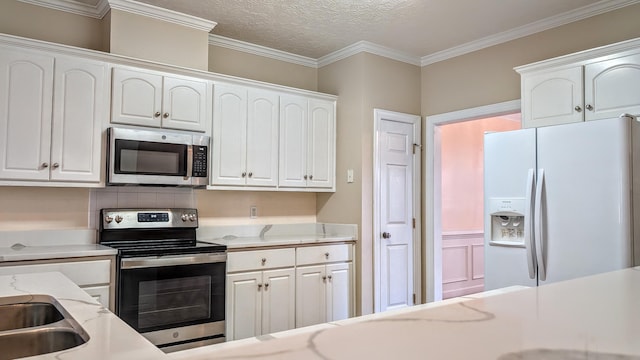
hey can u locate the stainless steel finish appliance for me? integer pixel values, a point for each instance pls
(170, 287)
(157, 157)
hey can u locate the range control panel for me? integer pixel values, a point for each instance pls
(148, 218)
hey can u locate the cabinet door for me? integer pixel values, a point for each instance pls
(244, 309)
(262, 138)
(339, 293)
(321, 158)
(26, 86)
(310, 295)
(78, 113)
(552, 98)
(293, 141)
(229, 135)
(278, 300)
(184, 104)
(611, 88)
(136, 98)
(100, 293)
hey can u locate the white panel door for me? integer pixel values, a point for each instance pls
(508, 157)
(310, 295)
(244, 305)
(229, 135)
(586, 208)
(339, 296)
(26, 86)
(293, 141)
(136, 98)
(79, 108)
(552, 98)
(396, 223)
(278, 300)
(611, 87)
(184, 104)
(262, 138)
(321, 157)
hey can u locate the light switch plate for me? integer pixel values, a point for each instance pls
(253, 212)
(349, 175)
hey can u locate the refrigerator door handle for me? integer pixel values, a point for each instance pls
(539, 227)
(528, 225)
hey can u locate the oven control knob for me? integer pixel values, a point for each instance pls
(118, 219)
(108, 219)
(192, 217)
(184, 217)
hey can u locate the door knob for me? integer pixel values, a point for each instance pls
(386, 235)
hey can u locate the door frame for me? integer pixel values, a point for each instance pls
(432, 194)
(416, 121)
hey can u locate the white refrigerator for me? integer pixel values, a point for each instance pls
(559, 201)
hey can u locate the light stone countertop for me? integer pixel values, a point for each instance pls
(109, 337)
(20, 253)
(596, 317)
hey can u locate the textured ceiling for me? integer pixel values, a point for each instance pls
(315, 28)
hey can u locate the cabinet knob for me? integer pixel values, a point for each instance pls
(157, 114)
(259, 287)
(326, 255)
(305, 177)
(386, 235)
(578, 108)
(165, 115)
(44, 165)
(244, 174)
(264, 261)
(250, 174)
(55, 165)
(310, 177)
(589, 107)
(329, 277)
(324, 278)
(266, 286)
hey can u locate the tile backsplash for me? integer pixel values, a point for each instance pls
(138, 197)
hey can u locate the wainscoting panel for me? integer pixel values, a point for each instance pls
(462, 263)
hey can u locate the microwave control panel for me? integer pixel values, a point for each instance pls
(199, 161)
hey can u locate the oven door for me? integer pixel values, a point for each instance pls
(174, 300)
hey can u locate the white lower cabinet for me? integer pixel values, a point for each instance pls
(95, 275)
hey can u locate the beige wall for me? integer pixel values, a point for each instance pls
(362, 82)
(36, 22)
(232, 62)
(487, 77)
(156, 40)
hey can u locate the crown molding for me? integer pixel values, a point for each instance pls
(365, 46)
(529, 29)
(162, 14)
(259, 50)
(97, 11)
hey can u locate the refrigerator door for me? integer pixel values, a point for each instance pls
(508, 158)
(586, 199)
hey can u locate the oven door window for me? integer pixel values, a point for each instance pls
(150, 158)
(165, 297)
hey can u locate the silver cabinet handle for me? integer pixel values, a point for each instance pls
(589, 107)
(157, 114)
(44, 165)
(386, 235)
(578, 108)
(55, 165)
(165, 115)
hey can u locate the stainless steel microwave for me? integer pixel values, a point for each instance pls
(157, 157)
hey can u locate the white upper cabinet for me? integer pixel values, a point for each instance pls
(307, 143)
(51, 117)
(594, 84)
(245, 136)
(153, 99)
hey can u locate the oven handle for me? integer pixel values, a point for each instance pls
(157, 261)
(189, 162)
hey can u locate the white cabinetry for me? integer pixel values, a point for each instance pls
(95, 275)
(147, 98)
(245, 136)
(591, 85)
(324, 291)
(307, 143)
(260, 292)
(51, 115)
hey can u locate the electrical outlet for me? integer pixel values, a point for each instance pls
(253, 212)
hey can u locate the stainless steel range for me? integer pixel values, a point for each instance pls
(170, 287)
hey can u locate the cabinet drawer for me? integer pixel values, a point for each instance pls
(80, 272)
(323, 254)
(260, 259)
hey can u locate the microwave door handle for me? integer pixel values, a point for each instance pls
(189, 162)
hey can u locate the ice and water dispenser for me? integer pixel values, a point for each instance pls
(507, 221)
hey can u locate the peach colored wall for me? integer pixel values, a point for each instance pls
(462, 171)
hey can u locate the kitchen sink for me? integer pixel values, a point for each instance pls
(34, 325)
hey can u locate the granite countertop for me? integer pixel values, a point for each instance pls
(109, 337)
(596, 317)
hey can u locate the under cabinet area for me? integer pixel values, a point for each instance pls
(51, 113)
(147, 98)
(271, 290)
(591, 85)
(95, 275)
